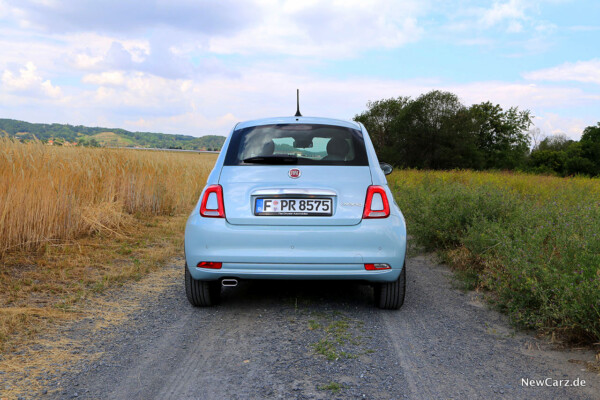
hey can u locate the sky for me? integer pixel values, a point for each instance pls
(197, 67)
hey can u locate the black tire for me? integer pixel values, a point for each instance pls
(390, 295)
(201, 293)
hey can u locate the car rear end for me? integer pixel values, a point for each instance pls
(296, 198)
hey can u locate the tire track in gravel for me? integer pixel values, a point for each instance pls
(224, 340)
(452, 346)
(260, 343)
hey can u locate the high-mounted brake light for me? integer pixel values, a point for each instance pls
(216, 208)
(209, 264)
(376, 267)
(376, 204)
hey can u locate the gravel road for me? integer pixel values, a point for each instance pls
(307, 340)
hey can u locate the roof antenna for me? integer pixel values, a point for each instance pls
(298, 103)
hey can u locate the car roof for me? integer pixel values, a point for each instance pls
(298, 120)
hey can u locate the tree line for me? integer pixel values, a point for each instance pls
(558, 155)
(437, 131)
(85, 136)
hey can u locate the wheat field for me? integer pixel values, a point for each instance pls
(52, 194)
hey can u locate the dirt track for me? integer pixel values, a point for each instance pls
(299, 340)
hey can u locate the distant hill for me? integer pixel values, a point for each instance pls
(61, 133)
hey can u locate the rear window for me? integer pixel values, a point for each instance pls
(303, 144)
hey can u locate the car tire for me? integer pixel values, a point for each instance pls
(201, 293)
(390, 295)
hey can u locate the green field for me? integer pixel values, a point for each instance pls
(531, 242)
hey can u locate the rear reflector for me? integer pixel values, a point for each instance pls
(376, 267)
(209, 264)
(216, 208)
(376, 204)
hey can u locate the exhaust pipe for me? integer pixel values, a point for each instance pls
(229, 282)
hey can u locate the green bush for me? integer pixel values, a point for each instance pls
(533, 242)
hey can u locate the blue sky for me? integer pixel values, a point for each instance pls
(197, 67)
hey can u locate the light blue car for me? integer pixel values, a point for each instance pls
(296, 198)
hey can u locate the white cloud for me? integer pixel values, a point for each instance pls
(142, 101)
(109, 78)
(166, 71)
(526, 96)
(511, 10)
(332, 27)
(515, 27)
(95, 52)
(192, 122)
(520, 18)
(117, 16)
(581, 71)
(85, 61)
(328, 29)
(259, 94)
(554, 124)
(27, 81)
(138, 91)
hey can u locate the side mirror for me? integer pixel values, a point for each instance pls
(386, 168)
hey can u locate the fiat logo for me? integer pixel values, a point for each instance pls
(294, 173)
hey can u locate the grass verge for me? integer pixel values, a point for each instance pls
(42, 293)
(40, 289)
(75, 221)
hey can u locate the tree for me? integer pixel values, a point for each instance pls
(590, 147)
(560, 155)
(556, 142)
(549, 162)
(536, 135)
(379, 122)
(435, 133)
(501, 134)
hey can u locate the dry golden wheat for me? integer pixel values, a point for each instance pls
(52, 193)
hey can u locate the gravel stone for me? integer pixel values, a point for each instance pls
(260, 343)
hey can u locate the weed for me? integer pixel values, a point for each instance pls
(332, 386)
(326, 348)
(125, 249)
(338, 333)
(312, 325)
(533, 241)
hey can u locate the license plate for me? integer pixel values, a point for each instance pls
(293, 207)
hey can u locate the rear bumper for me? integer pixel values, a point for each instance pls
(295, 252)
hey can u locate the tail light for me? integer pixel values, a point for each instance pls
(376, 204)
(212, 205)
(209, 264)
(376, 267)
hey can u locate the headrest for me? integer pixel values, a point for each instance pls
(338, 147)
(268, 149)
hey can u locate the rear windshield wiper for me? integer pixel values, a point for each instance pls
(271, 160)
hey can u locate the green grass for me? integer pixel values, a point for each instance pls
(326, 348)
(332, 386)
(312, 325)
(337, 332)
(533, 242)
(112, 139)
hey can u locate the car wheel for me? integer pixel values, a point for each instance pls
(390, 295)
(201, 293)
